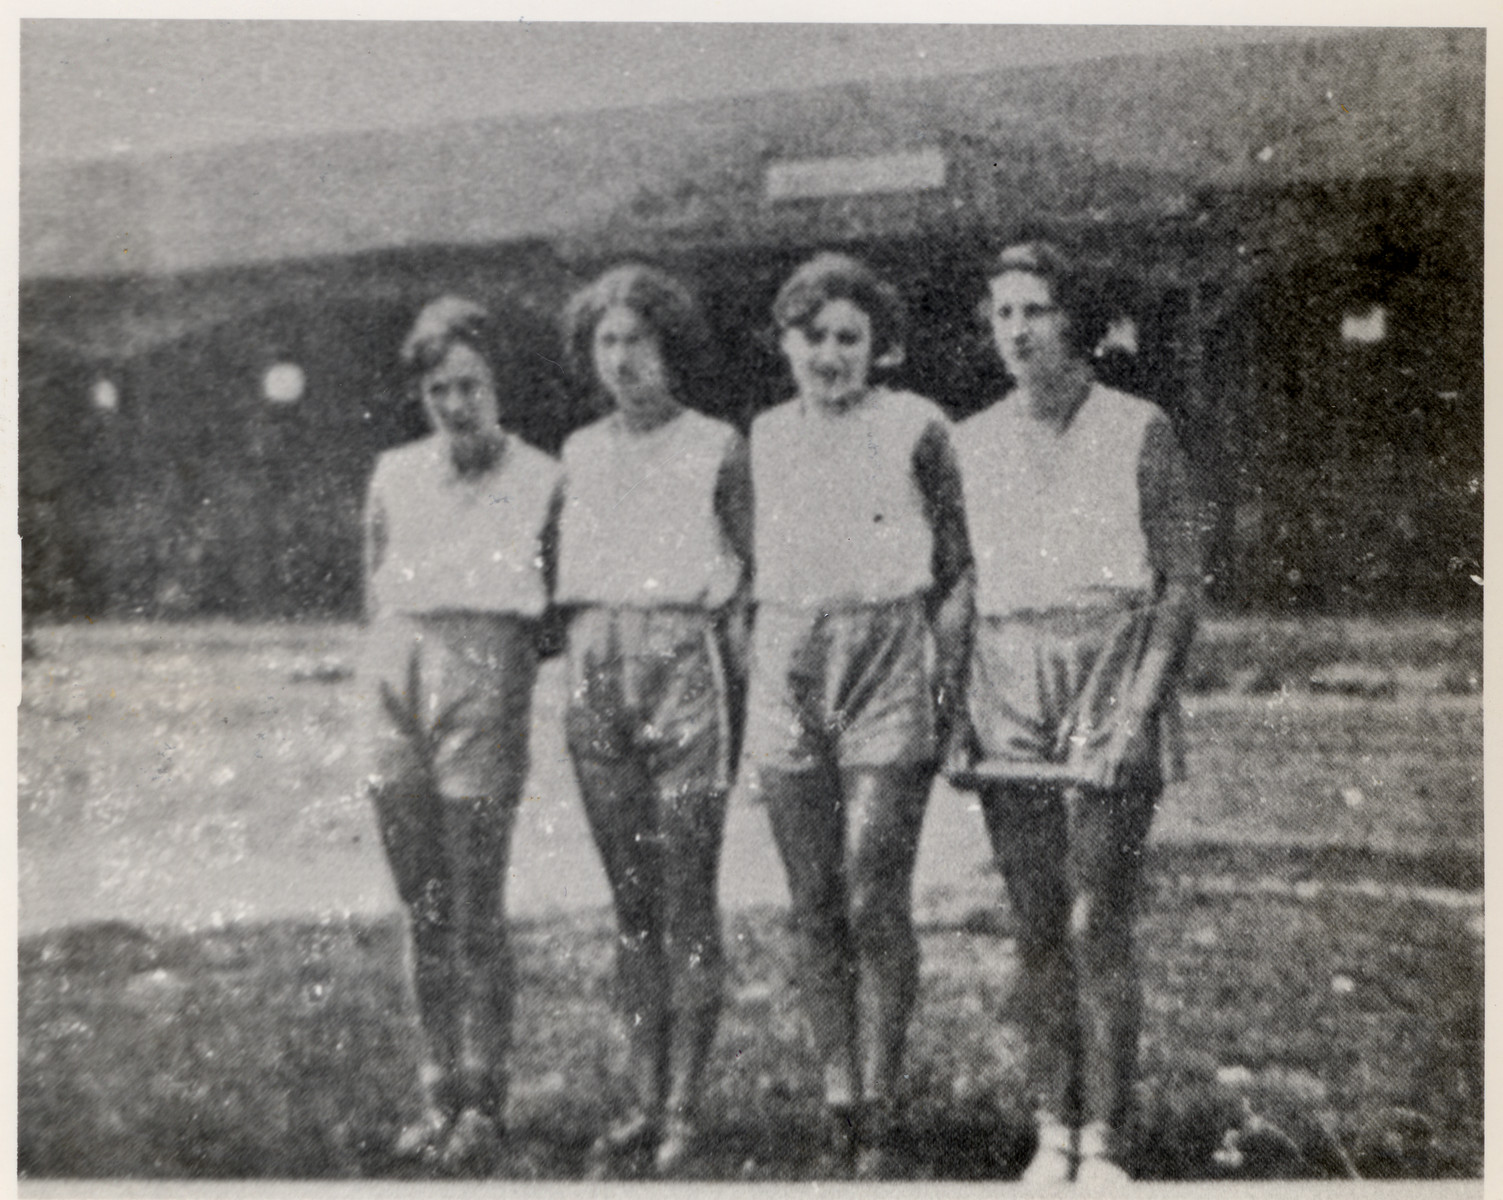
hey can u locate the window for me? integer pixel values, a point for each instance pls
(104, 396)
(1366, 328)
(284, 383)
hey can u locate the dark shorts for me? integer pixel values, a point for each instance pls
(848, 688)
(452, 708)
(652, 685)
(1044, 689)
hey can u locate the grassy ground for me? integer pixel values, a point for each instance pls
(185, 804)
(285, 1050)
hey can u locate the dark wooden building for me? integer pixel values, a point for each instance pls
(1292, 233)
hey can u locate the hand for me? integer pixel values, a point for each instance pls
(1128, 746)
(736, 625)
(953, 732)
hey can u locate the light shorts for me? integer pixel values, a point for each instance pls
(651, 684)
(848, 688)
(1044, 687)
(453, 702)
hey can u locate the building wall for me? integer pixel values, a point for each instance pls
(1346, 474)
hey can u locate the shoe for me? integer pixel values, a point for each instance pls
(1054, 1161)
(1096, 1173)
(1095, 1169)
(874, 1159)
(674, 1147)
(473, 1144)
(874, 1164)
(635, 1131)
(838, 1159)
(421, 1138)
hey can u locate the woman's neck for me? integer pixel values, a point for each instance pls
(644, 418)
(1055, 399)
(838, 408)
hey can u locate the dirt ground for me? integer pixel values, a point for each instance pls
(211, 981)
(199, 774)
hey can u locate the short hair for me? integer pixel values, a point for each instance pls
(829, 276)
(657, 298)
(1072, 286)
(449, 320)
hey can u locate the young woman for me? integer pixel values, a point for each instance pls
(453, 621)
(1088, 573)
(860, 540)
(654, 547)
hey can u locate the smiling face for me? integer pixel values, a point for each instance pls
(830, 354)
(1028, 327)
(628, 360)
(460, 396)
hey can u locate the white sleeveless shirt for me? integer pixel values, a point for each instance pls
(1055, 519)
(638, 526)
(840, 519)
(461, 542)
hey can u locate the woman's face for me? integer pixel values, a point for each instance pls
(831, 353)
(1028, 327)
(460, 396)
(628, 359)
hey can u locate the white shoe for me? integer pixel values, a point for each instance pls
(1095, 1170)
(420, 1138)
(472, 1145)
(1100, 1174)
(1053, 1160)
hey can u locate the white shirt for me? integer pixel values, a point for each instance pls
(639, 526)
(459, 542)
(840, 518)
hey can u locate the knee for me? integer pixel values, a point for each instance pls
(1100, 932)
(697, 966)
(881, 919)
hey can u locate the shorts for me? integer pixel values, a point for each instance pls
(652, 684)
(453, 699)
(848, 688)
(1044, 687)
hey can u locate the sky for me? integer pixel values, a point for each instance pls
(102, 88)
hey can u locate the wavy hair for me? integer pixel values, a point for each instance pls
(660, 300)
(830, 276)
(449, 320)
(1072, 285)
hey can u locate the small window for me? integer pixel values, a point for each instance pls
(284, 383)
(1366, 328)
(104, 396)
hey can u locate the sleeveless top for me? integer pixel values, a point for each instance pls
(638, 525)
(457, 542)
(840, 519)
(1056, 520)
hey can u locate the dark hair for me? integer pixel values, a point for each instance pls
(1072, 286)
(660, 300)
(829, 276)
(450, 320)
